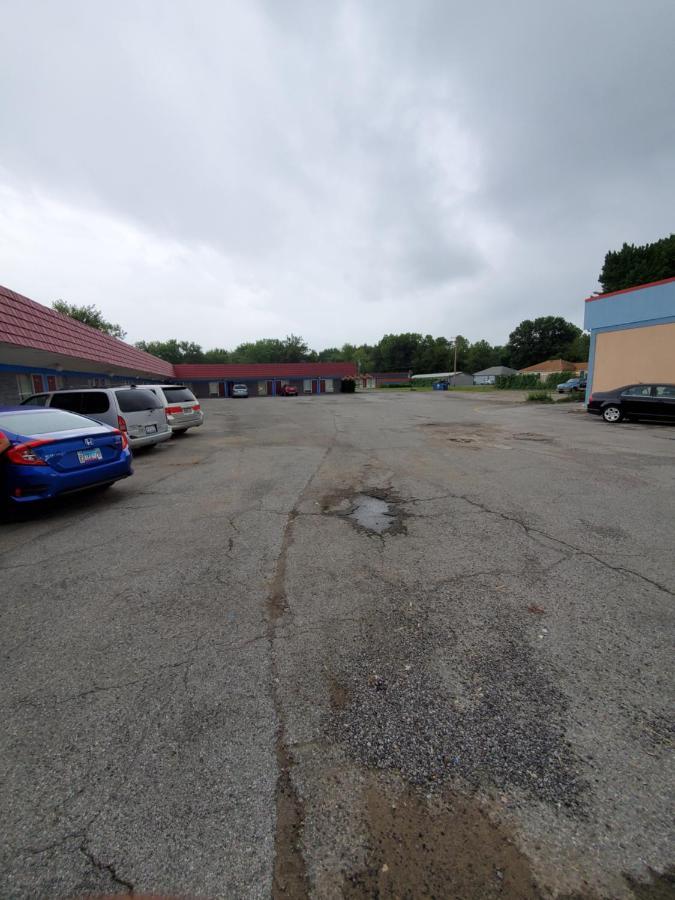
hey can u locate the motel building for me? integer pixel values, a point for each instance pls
(42, 350)
(632, 336)
(263, 379)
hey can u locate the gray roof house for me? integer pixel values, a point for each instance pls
(489, 376)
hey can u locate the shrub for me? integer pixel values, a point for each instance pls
(516, 382)
(556, 378)
(539, 397)
(347, 386)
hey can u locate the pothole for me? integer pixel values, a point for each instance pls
(372, 513)
(375, 512)
(531, 436)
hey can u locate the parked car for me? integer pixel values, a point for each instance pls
(239, 390)
(572, 384)
(53, 452)
(182, 408)
(288, 390)
(137, 412)
(634, 401)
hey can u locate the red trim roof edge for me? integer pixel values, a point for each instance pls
(637, 287)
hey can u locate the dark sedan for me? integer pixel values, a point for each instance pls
(634, 401)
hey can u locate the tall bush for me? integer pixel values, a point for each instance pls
(517, 382)
(556, 378)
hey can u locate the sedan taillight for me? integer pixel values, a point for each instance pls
(25, 455)
(123, 437)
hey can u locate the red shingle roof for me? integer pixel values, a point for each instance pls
(29, 324)
(555, 365)
(243, 371)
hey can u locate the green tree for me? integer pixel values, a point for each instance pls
(579, 349)
(363, 356)
(548, 337)
(482, 355)
(395, 352)
(173, 351)
(295, 349)
(329, 354)
(463, 346)
(432, 355)
(217, 355)
(633, 265)
(272, 350)
(89, 315)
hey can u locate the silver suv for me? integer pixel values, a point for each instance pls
(137, 412)
(182, 408)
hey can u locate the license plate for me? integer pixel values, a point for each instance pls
(150, 429)
(87, 456)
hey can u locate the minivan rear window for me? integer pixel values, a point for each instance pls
(178, 394)
(136, 400)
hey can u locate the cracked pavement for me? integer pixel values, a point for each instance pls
(216, 684)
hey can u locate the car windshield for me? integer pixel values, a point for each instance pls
(43, 422)
(178, 394)
(137, 400)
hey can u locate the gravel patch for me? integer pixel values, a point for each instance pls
(503, 728)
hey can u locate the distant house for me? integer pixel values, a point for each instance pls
(382, 379)
(555, 366)
(489, 376)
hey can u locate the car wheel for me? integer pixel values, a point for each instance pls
(612, 414)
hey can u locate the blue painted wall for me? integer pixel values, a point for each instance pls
(640, 307)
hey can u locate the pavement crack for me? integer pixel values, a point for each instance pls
(533, 532)
(290, 877)
(36, 851)
(106, 867)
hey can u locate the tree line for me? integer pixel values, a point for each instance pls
(533, 340)
(548, 337)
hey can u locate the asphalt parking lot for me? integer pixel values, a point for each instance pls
(382, 645)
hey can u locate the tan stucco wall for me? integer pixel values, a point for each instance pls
(634, 355)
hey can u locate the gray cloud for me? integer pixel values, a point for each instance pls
(337, 170)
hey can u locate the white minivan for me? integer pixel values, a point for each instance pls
(135, 411)
(182, 408)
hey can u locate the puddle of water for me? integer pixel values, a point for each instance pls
(372, 513)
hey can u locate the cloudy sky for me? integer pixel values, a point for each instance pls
(223, 171)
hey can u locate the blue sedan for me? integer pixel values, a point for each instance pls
(49, 452)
